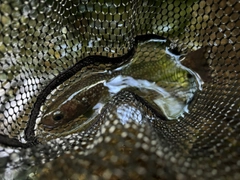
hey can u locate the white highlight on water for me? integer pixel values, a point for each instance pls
(120, 82)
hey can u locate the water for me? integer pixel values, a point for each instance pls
(170, 104)
(154, 74)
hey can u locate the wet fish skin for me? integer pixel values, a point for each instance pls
(80, 98)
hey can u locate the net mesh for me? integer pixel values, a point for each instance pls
(40, 40)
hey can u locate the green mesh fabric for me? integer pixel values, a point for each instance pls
(39, 40)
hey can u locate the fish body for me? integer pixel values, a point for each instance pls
(158, 75)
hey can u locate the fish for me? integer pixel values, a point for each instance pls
(156, 77)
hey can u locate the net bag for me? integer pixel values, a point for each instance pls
(66, 56)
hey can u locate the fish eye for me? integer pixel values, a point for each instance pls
(57, 116)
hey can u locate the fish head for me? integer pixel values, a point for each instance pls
(65, 113)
